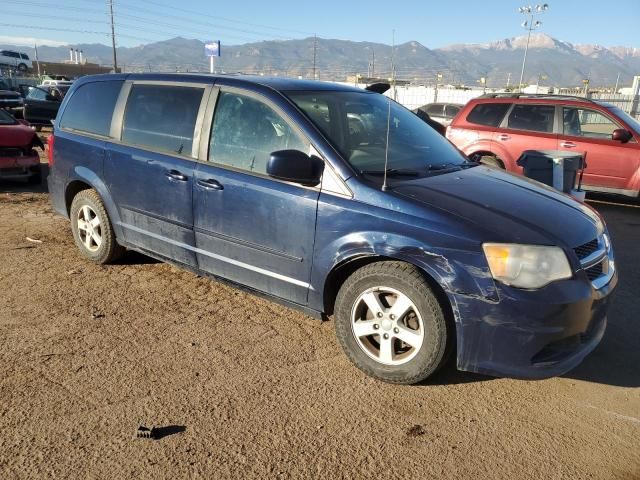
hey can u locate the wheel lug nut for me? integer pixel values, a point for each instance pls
(396, 330)
(392, 316)
(386, 336)
(379, 314)
(376, 326)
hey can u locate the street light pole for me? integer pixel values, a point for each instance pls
(530, 25)
(113, 38)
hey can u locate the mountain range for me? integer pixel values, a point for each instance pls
(550, 61)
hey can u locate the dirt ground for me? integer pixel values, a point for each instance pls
(245, 388)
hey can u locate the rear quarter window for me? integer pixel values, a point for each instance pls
(489, 114)
(162, 117)
(90, 108)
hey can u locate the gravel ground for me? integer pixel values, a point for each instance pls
(245, 388)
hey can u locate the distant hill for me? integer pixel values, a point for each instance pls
(562, 63)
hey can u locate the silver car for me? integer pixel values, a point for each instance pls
(442, 112)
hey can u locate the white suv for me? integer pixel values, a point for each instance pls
(14, 59)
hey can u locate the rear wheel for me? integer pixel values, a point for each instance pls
(35, 179)
(92, 230)
(390, 324)
(22, 67)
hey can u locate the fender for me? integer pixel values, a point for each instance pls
(88, 176)
(634, 181)
(455, 271)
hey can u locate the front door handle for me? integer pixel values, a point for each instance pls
(210, 184)
(503, 137)
(176, 175)
(568, 145)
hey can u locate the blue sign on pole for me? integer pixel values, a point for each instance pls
(212, 48)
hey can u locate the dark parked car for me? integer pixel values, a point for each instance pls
(18, 158)
(41, 104)
(9, 99)
(335, 200)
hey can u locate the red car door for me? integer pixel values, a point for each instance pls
(527, 127)
(610, 163)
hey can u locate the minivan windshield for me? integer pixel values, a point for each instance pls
(356, 124)
(629, 120)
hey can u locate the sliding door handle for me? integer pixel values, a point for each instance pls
(210, 184)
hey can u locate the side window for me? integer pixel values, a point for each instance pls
(435, 110)
(579, 122)
(90, 108)
(535, 118)
(489, 114)
(36, 94)
(245, 131)
(24, 57)
(162, 117)
(451, 111)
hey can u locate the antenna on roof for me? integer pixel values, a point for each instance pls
(386, 147)
(393, 82)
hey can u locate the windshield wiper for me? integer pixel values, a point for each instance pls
(397, 172)
(451, 166)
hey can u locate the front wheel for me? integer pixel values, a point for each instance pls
(92, 230)
(390, 323)
(491, 160)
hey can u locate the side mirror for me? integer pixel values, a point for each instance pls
(23, 122)
(295, 166)
(621, 135)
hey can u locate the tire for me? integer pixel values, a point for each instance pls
(35, 179)
(94, 238)
(491, 161)
(383, 280)
(22, 67)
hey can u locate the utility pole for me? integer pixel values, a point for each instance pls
(435, 90)
(530, 25)
(508, 80)
(113, 37)
(315, 54)
(614, 91)
(373, 63)
(38, 62)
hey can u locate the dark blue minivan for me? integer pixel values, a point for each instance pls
(336, 201)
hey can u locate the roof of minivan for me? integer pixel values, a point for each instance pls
(276, 83)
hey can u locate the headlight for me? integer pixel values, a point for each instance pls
(526, 266)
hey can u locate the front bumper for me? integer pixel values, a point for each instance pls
(532, 334)
(19, 167)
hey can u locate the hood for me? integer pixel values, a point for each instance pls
(508, 208)
(16, 135)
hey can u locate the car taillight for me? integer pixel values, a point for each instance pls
(50, 141)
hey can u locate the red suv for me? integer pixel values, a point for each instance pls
(496, 129)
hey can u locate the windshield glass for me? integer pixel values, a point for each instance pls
(356, 125)
(628, 119)
(6, 119)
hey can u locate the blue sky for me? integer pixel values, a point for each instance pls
(432, 23)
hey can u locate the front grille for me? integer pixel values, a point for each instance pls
(583, 251)
(10, 152)
(13, 171)
(595, 271)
